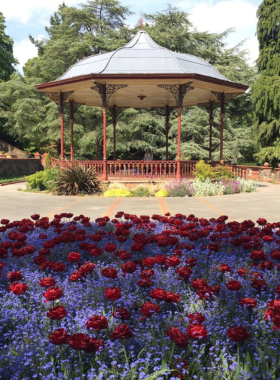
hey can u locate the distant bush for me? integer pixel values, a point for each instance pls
(161, 194)
(43, 180)
(203, 171)
(180, 188)
(48, 161)
(117, 193)
(222, 172)
(141, 191)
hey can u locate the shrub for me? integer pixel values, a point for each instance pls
(231, 186)
(153, 189)
(222, 172)
(141, 191)
(207, 188)
(48, 161)
(117, 193)
(247, 186)
(75, 179)
(180, 188)
(162, 194)
(118, 185)
(37, 181)
(203, 171)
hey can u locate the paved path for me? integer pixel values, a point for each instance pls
(16, 205)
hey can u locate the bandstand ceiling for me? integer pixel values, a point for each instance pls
(142, 65)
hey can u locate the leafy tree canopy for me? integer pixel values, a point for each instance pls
(7, 59)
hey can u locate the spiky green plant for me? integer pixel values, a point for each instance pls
(74, 179)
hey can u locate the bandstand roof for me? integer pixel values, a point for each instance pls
(142, 65)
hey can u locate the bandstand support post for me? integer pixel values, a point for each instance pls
(61, 126)
(222, 114)
(104, 109)
(166, 131)
(114, 125)
(179, 110)
(72, 127)
(211, 127)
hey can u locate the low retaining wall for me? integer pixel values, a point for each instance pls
(19, 166)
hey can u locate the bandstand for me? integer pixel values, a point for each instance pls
(142, 74)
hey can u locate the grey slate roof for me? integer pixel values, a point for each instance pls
(142, 55)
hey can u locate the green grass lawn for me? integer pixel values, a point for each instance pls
(6, 178)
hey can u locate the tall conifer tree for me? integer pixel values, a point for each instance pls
(266, 90)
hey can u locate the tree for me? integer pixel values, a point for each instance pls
(266, 90)
(7, 59)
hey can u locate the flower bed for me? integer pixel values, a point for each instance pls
(139, 298)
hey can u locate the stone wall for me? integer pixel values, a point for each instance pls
(19, 166)
(11, 150)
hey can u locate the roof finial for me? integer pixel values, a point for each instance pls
(141, 21)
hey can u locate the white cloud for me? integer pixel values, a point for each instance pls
(24, 50)
(222, 15)
(23, 10)
(252, 45)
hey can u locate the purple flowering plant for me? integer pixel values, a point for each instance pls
(167, 297)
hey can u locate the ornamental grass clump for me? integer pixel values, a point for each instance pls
(180, 188)
(161, 297)
(74, 179)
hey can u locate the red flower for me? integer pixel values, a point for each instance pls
(121, 332)
(243, 272)
(35, 216)
(58, 267)
(196, 317)
(268, 239)
(184, 272)
(113, 293)
(224, 268)
(275, 254)
(149, 308)
(94, 345)
(97, 322)
(266, 265)
(233, 285)
(172, 297)
(129, 267)
(160, 259)
(47, 282)
(149, 262)
(87, 268)
(3, 253)
(53, 293)
(191, 261)
(158, 294)
(274, 305)
(2, 265)
(144, 283)
(96, 251)
(173, 261)
(259, 284)
(125, 256)
(261, 222)
(277, 289)
(59, 336)
(73, 257)
(238, 333)
(75, 276)
(109, 272)
(18, 288)
(121, 313)
(250, 303)
(57, 312)
(179, 338)
(79, 341)
(196, 331)
(258, 255)
(14, 276)
(5, 221)
(199, 283)
(137, 247)
(110, 247)
(214, 247)
(45, 252)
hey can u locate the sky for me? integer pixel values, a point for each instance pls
(29, 17)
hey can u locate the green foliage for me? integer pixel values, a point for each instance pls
(141, 191)
(180, 188)
(48, 160)
(222, 172)
(74, 180)
(7, 59)
(43, 180)
(203, 171)
(117, 193)
(10, 178)
(162, 193)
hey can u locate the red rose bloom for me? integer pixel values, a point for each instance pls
(179, 338)
(259, 284)
(184, 272)
(35, 216)
(191, 261)
(45, 252)
(250, 303)
(160, 259)
(59, 336)
(96, 251)
(233, 285)
(149, 308)
(266, 265)
(261, 222)
(110, 247)
(129, 267)
(57, 313)
(199, 283)
(87, 268)
(5, 221)
(14, 276)
(73, 257)
(53, 293)
(274, 305)
(258, 255)
(224, 268)
(75, 276)
(121, 332)
(2, 265)
(109, 272)
(277, 289)
(172, 297)
(144, 283)
(121, 313)
(94, 345)
(97, 322)
(125, 256)
(47, 282)
(79, 341)
(238, 333)
(243, 272)
(268, 239)
(275, 254)
(149, 262)
(173, 261)
(196, 331)
(58, 267)
(137, 247)
(196, 318)
(113, 293)
(158, 294)
(18, 288)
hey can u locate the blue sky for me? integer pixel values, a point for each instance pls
(24, 17)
